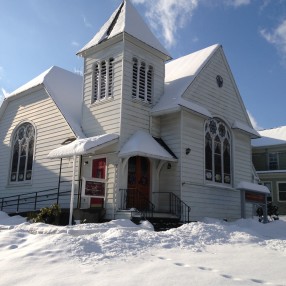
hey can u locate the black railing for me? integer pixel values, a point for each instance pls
(162, 202)
(35, 200)
(134, 199)
(170, 203)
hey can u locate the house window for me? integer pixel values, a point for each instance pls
(217, 152)
(142, 81)
(282, 191)
(103, 80)
(273, 161)
(22, 153)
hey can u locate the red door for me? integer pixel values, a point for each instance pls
(138, 182)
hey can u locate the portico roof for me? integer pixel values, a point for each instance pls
(143, 144)
(83, 146)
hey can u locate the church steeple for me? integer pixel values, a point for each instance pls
(126, 19)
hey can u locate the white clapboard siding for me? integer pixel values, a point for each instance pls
(211, 202)
(51, 130)
(102, 116)
(135, 114)
(170, 179)
(193, 138)
(225, 101)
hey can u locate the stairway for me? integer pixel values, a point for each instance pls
(164, 223)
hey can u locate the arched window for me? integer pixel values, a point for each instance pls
(142, 81)
(103, 80)
(217, 152)
(22, 153)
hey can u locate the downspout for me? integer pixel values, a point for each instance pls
(59, 182)
(79, 183)
(72, 190)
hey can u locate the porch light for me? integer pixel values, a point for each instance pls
(188, 151)
(169, 166)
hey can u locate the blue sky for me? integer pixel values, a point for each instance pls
(37, 34)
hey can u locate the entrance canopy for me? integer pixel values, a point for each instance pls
(83, 146)
(251, 187)
(143, 144)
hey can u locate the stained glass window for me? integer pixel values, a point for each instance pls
(22, 153)
(217, 152)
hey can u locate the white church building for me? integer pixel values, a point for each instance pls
(138, 131)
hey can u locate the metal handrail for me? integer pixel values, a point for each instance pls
(133, 198)
(33, 198)
(177, 207)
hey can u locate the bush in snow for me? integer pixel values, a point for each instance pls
(48, 215)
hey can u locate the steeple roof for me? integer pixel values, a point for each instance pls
(126, 19)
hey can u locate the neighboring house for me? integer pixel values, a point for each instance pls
(269, 159)
(150, 131)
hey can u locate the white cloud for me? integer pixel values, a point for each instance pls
(1, 72)
(75, 43)
(237, 3)
(277, 37)
(86, 23)
(254, 123)
(168, 16)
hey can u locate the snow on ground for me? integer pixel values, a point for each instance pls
(211, 252)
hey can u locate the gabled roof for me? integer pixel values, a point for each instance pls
(179, 74)
(271, 137)
(126, 19)
(65, 89)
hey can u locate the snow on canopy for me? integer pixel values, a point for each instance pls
(65, 88)
(179, 74)
(239, 125)
(83, 146)
(271, 137)
(247, 186)
(126, 19)
(143, 144)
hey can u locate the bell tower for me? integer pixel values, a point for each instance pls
(124, 71)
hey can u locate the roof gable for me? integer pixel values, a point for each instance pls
(179, 74)
(126, 19)
(190, 82)
(65, 89)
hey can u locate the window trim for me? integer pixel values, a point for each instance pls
(101, 92)
(142, 87)
(278, 191)
(24, 182)
(276, 161)
(214, 135)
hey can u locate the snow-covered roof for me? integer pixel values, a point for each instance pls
(126, 19)
(83, 146)
(247, 186)
(65, 88)
(143, 144)
(271, 137)
(179, 74)
(239, 125)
